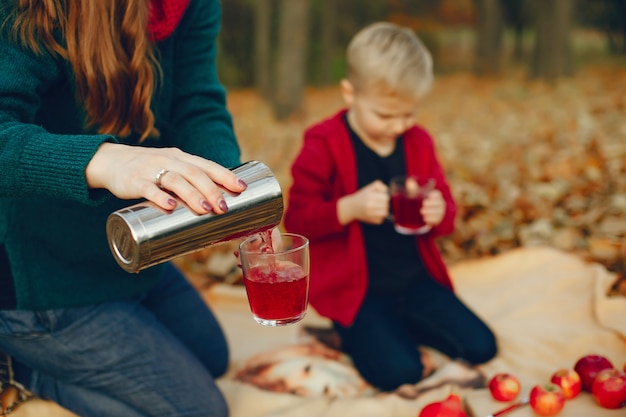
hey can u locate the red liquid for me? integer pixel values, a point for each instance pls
(267, 245)
(406, 211)
(277, 293)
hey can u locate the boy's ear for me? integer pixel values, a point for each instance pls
(347, 92)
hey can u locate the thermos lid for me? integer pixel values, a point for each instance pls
(124, 242)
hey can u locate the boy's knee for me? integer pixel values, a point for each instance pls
(481, 350)
(391, 377)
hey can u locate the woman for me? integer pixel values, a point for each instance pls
(103, 103)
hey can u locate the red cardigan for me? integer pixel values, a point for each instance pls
(325, 170)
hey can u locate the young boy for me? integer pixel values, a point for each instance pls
(385, 292)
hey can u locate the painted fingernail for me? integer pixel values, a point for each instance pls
(205, 205)
(222, 205)
(242, 183)
(171, 202)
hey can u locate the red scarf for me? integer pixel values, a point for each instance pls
(164, 17)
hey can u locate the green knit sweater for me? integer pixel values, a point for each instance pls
(52, 225)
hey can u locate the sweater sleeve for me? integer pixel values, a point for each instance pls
(33, 161)
(202, 122)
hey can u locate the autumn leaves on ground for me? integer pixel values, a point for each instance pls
(529, 163)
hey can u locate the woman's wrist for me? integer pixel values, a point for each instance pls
(97, 166)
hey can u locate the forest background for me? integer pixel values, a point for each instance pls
(528, 111)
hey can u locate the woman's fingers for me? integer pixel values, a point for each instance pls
(159, 174)
(209, 199)
(218, 174)
(198, 185)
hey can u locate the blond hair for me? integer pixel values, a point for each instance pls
(391, 59)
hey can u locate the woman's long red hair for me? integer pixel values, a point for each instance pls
(108, 47)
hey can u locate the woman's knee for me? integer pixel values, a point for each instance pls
(219, 406)
(219, 363)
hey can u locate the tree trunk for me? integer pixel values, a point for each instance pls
(621, 23)
(291, 62)
(262, 49)
(517, 18)
(552, 54)
(327, 42)
(489, 36)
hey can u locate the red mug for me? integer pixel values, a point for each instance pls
(407, 195)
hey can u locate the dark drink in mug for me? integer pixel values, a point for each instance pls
(276, 277)
(406, 212)
(407, 196)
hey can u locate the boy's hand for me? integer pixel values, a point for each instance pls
(433, 208)
(370, 204)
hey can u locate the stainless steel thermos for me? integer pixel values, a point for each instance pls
(143, 235)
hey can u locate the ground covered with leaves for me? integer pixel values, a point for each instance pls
(529, 162)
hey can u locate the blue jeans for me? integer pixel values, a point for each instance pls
(383, 339)
(156, 355)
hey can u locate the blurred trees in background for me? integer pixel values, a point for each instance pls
(290, 65)
(552, 51)
(489, 26)
(282, 46)
(263, 47)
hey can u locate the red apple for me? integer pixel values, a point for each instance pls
(569, 381)
(609, 388)
(504, 387)
(588, 367)
(547, 399)
(450, 407)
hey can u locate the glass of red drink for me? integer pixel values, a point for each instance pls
(276, 276)
(407, 196)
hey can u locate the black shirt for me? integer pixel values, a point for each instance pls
(392, 258)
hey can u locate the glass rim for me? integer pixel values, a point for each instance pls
(305, 243)
(406, 176)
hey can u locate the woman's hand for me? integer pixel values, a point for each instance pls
(433, 208)
(131, 172)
